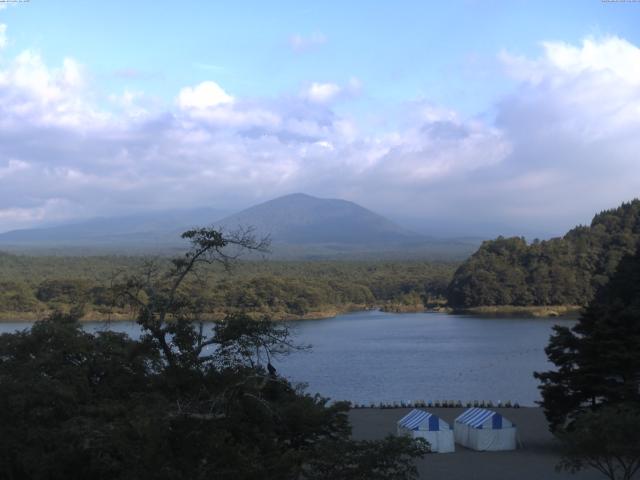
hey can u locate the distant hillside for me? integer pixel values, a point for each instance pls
(567, 270)
(157, 228)
(301, 219)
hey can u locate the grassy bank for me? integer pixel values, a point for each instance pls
(93, 315)
(535, 311)
(317, 313)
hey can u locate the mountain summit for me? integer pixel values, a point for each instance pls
(302, 219)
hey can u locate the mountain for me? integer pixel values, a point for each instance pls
(301, 219)
(156, 228)
(562, 271)
(300, 227)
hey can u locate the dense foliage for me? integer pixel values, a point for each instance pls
(592, 397)
(75, 405)
(598, 359)
(560, 271)
(279, 289)
(180, 403)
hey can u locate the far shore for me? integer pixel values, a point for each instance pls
(320, 314)
(127, 316)
(535, 311)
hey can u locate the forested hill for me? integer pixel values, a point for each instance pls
(560, 271)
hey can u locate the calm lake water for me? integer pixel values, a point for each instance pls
(385, 357)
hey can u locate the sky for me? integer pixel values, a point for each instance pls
(454, 118)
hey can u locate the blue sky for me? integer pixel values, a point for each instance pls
(230, 103)
(401, 50)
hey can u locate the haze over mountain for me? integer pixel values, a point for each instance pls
(298, 225)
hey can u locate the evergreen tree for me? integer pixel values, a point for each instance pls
(592, 399)
(598, 359)
(606, 440)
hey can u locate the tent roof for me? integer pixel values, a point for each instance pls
(415, 418)
(476, 417)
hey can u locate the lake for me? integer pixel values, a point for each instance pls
(385, 357)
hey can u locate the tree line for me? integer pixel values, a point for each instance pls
(280, 289)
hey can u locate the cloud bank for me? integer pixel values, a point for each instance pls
(562, 145)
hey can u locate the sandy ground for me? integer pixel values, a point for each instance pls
(535, 460)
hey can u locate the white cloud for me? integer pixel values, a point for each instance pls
(130, 103)
(12, 167)
(573, 122)
(354, 85)
(611, 55)
(301, 43)
(435, 145)
(30, 90)
(592, 91)
(204, 95)
(322, 92)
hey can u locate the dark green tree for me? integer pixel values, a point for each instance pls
(390, 459)
(606, 440)
(598, 359)
(73, 405)
(592, 399)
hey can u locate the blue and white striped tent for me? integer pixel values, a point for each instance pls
(418, 423)
(481, 429)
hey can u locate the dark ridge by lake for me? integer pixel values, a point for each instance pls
(385, 357)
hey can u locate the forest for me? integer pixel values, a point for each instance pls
(33, 286)
(560, 271)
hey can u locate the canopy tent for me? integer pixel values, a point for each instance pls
(421, 424)
(481, 429)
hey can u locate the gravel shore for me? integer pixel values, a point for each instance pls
(534, 460)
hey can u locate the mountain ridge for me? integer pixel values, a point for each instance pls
(134, 227)
(299, 218)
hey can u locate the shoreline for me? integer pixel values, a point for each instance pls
(321, 314)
